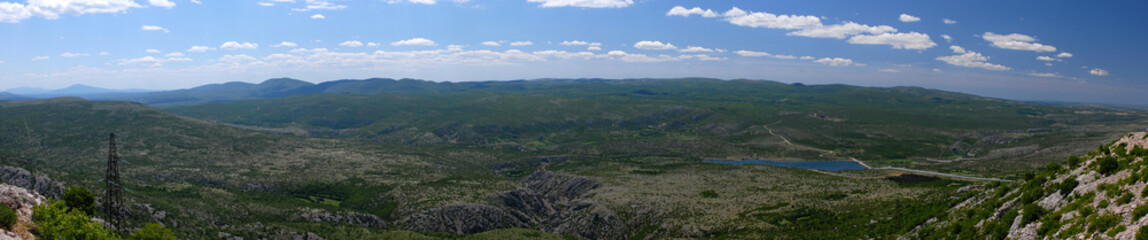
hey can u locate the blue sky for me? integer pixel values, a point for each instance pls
(1027, 50)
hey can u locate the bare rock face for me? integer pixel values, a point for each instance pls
(362, 219)
(462, 219)
(40, 183)
(548, 201)
(22, 201)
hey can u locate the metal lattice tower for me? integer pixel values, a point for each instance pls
(113, 202)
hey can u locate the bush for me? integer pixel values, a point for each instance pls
(8, 217)
(153, 231)
(1142, 234)
(1107, 165)
(80, 198)
(1065, 187)
(55, 220)
(1032, 212)
(1073, 161)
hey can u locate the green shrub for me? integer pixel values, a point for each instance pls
(709, 194)
(1032, 212)
(8, 217)
(80, 198)
(1117, 230)
(1139, 212)
(1142, 234)
(1103, 223)
(1127, 198)
(55, 220)
(153, 231)
(1107, 165)
(1065, 187)
(1073, 161)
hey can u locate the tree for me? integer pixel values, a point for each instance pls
(80, 198)
(153, 231)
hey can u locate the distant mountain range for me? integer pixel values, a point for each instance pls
(78, 90)
(11, 96)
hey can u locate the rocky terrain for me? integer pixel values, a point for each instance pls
(21, 200)
(1102, 195)
(548, 201)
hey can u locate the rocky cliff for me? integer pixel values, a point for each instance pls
(548, 201)
(1102, 195)
(21, 200)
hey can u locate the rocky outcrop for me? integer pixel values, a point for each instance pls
(40, 183)
(361, 219)
(22, 201)
(548, 201)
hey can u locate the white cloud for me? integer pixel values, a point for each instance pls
(153, 28)
(414, 42)
(174, 54)
(521, 43)
(104, 53)
(1098, 72)
(1048, 64)
(1045, 58)
(351, 44)
(266, 4)
(196, 2)
(161, 3)
(152, 50)
(1051, 75)
(574, 43)
(806, 57)
(72, 55)
(318, 16)
(695, 49)
(1017, 41)
(912, 40)
(594, 48)
(682, 11)
(654, 45)
(909, 18)
(970, 59)
(233, 45)
(949, 21)
(453, 48)
(958, 49)
(835, 61)
(199, 49)
(1064, 55)
(947, 38)
(840, 31)
(39, 58)
(787, 57)
(890, 70)
(319, 5)
(491, 43)
(11, 12)
(740, 17)
(746, 53)
(152, 61)
(372, 44)
(427, 2)
(584, 3)
(285, 44)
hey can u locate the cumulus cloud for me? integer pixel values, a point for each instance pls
(521, 43)
(72, 55)
(1045, 58)
(153, 28)
(947, 38)
(161, 3)
(174, 54)
(834, 61)
(427, 2)
(351, 44)
(491, 43)
(970, 59)
(682, 11)
(1016, 41)
(695, 49)
(11, 12)
(285, 44)
(654, 45)
(909, 18)
(153, 51)
(319, 5)
(840, 31)
(1098, 72)
(318, 16)
(199, 49)
(574, 43)
(912, 40)
(1064, 55)
(233, 45)
(584, 3)
(414, 42)
(40, 58)
(1038, 74)
(949, 21)
(747, 53)
(811, 26)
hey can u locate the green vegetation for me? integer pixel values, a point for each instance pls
(353, 166)
(152, 231)
(55, 220)
(8, 217)
(80, 199)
